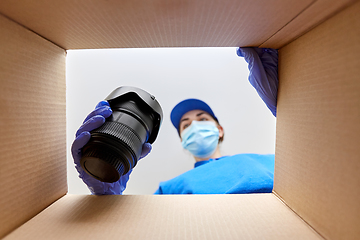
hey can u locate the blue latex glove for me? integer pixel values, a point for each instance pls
(94, 120)
(263, 66)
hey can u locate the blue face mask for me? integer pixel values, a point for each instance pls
(200, 138)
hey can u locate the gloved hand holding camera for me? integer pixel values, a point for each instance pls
(94, 120)
(113, 137)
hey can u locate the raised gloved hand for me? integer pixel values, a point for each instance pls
(263, 67)
(94, 120)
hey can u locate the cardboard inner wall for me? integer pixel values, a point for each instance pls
(161, 23)
(318, 113)
(32, 124)
(318, 11)
(317, 161)
(238, 216)
(158, 23)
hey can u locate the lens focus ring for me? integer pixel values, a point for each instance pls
(124, 134)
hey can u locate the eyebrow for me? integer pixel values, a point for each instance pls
(184, 119)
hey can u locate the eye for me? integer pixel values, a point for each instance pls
(185, 126)
(203, 119)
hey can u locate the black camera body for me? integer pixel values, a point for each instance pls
(115, 147)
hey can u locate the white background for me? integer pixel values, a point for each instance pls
(215, 75)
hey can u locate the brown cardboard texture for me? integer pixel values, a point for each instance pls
(316, 191)
(160, 23)
(33, 132)
(253, 216)
(317, 12)
(103, 24)
(318, 126)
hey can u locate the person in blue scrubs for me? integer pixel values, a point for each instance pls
(201, 133)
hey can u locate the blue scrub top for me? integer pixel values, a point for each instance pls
(241, 173)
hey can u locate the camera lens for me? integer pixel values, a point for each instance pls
(115, 147)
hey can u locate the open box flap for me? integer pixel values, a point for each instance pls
(316, 13)
(241, 216)
(160, 23)
(317, 160)
(32, 124)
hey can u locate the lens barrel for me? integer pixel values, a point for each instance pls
(115, 147)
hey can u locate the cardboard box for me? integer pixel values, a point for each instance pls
(317, 161)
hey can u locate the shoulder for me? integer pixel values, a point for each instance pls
(252, 161)
(217, 176)
(192, 181)
(175, 185)
(252, 158)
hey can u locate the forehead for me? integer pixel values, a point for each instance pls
(193, 114)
